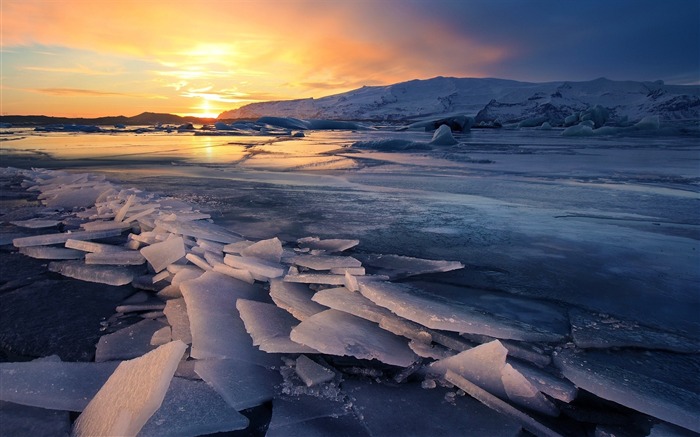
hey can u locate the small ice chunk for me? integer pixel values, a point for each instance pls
(130, 342)
(295, 299)
(397, 266)
(329, 245)
(123, 258)
(47, 252)
(176, 313)
(325, 262)
(256, 266)
(192, 408)
(241, 384)
(269, 326)
(161, 336)
(443, 137)
(159, 255)
(316, 278)
(131, 395)
(338, 333)
(49, 239)
(111, 275)
(311, 372)
(268, 250)
(53, 385)
(491, 401)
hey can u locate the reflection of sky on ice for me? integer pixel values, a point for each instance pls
(605, 223)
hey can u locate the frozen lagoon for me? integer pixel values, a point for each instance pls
(604, 227)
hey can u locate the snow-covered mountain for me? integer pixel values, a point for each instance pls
(490, 101)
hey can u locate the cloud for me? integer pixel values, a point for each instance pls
(72, 92)
(71, 70)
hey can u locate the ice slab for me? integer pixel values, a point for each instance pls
(124, 258)
(111, 275)
(268, 250)
(243, 275)
(337, 333)
(552, 385)
(602, 331)
(294, 298)
(53, 385)
(216, 327)
(47, 252)
(198, 261)
(192, 408)
(329, 245)
(256, 266)
(397, 266)
(315, 278)
(242, 385)
(325, 262)
(24, 421)
(49, 239)
(131, 395)
(409, 410)
(130, 342)
(36, 223)
(661, 384)
(162, 336)
(269, 326)
(176, 313)
(91, 246)
(160, 255)
(496, 404)
(311, 372)
(200, 229)
(439, 312)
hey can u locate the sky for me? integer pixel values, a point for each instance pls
(122, 57)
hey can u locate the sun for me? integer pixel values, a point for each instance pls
(206, 110)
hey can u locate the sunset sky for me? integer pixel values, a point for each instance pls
(123, 57)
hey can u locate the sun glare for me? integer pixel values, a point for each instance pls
(206, 110)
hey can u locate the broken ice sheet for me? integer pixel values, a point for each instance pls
(311, 372)
(329, 245)
(316, 278)
(160, 255)
(294, 298)
(241, 384)
(325, 262)
(602, 331)
(661, 384)
(257, 267)
(398, 266)
(268, 250)
(61, 238)
(269, 326)
(192, 408)
(111, 275)
(131, 395)
(449, 314)
(53, 385)
(337, 333)
(47, 252)
(24, 421)
(309, 416)
(216, 327)
(130, 342)
(200, 229)
(126, 257)
(409, 410)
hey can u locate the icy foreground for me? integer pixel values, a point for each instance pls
(323, 337)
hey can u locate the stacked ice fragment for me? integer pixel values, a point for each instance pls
(229, 324)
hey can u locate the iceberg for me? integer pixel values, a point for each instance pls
(131, 395)
(443, 137)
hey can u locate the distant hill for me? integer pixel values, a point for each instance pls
(489, 101)
(146, 118)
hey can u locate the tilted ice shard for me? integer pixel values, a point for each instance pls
(269, 326)
(176, 313)
(241, 384)
(192, 408)
(660, 384)
(325, 262)
(53, 385)
(398, 266)
(200, 229)
(91, 246)
(131, 395)
(217, 329)
(329, 245)
(338, 333)
(294, 298)
(256, 266)
(49, 239)
(268, 250)
(111, 275)
(438, 312)
(159, 255)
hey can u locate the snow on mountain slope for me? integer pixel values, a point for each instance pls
(490, 101)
